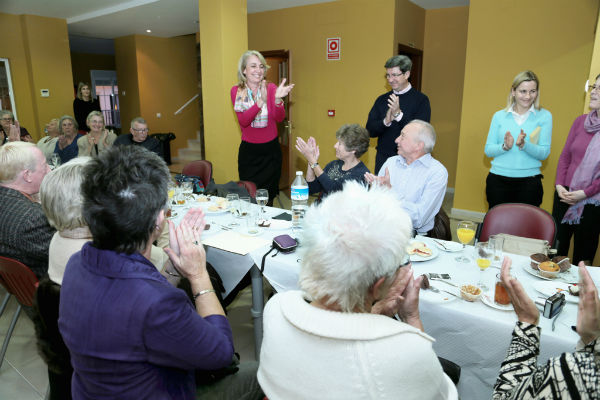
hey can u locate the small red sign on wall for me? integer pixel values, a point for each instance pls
(333, 48)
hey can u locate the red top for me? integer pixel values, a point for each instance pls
(276, 114)
(572, 155)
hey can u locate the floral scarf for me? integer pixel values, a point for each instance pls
(587, 171)
(244, 100)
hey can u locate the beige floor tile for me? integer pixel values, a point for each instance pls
(14, 386)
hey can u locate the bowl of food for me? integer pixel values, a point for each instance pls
(549, 269)
(563, 262)
(470, 292)
(538, 258)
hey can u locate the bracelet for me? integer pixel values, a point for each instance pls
(200, 293)
(312, 166)
(172, 274)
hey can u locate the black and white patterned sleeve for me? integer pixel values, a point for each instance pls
(567, 376)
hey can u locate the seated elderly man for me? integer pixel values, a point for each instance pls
(568, 376)
(138, 135)
(336, 338)
(130, 333)
(24, 232)
(418, 179)
(7, 119)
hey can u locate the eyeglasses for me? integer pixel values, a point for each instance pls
(140, 130)
(388, 76)
(6, 119)
(591, 88)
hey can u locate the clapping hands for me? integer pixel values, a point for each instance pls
(309, 149)
(379, 180)
(283, 90)
(185, 247)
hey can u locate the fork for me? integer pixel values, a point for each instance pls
(441, 244)
(436, 290)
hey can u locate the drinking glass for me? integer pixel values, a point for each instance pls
(234, 206)
(245, 203)
(252, 221)
(483, 257)
(465, 232)
(187, 188)
(500, 293)
(55, 160)
(496, 243)
(180, 196)
(262, 198)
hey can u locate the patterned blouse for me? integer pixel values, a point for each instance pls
(568, 376)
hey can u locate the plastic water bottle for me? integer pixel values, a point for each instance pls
(299, 200)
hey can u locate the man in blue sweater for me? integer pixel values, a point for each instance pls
(396, 108)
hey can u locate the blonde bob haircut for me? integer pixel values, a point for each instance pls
(60, 194)
(94, 114)
(525, 76)
(244, 61)
(14, 158)
(80, 86)
(352, 239)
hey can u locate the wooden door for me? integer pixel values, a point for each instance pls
(416, 56)
(279, 61)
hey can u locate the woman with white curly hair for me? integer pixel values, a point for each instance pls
(338, 330)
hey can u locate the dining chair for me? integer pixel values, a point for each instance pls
(518, 219)
(199, 168)
(441, 227)
(249, 186)
(21, 282)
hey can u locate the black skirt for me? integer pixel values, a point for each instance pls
(261, 163)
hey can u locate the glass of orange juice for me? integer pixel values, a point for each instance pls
(465, 232)
(483, 257)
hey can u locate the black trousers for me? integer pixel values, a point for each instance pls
(501, 189)
(586, 232)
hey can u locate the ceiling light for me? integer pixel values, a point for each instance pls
(148, 30)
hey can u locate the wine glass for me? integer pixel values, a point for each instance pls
(465, 232)
(484, 254)
(262, 198)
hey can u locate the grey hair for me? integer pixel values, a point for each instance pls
(7, 112)
(354, 137)
(402, 62)
(426, 134)
(353, 238)
(75, 124)
(242, 66)
(139, 120)
(60, 194)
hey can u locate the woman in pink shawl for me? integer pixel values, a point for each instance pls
(577, 195)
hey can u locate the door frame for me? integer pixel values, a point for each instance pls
(416, 72)
(286, 54)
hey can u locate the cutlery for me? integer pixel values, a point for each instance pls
(441, 244)
(445, 281)
(436, 290)
(224, 227)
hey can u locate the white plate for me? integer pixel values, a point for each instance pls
(567, 276)
(549, 288)
(451, 247)
(433, 297)
(485, 299)
(434, 251)
(205, 206)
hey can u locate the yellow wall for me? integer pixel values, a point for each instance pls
(351, 85)
(505, 37)
(223, 39)
(409, 25)
(38, 52)
(158, 75)
(443, 76)
(82, 63)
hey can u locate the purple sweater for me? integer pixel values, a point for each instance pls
(131, 334)
(572, 154)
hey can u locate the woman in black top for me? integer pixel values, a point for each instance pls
(83, 105)
(352, 142)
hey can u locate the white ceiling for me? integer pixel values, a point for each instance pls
(109, 19)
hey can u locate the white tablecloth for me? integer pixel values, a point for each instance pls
(473, 335)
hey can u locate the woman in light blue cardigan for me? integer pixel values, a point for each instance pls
(518, 141)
